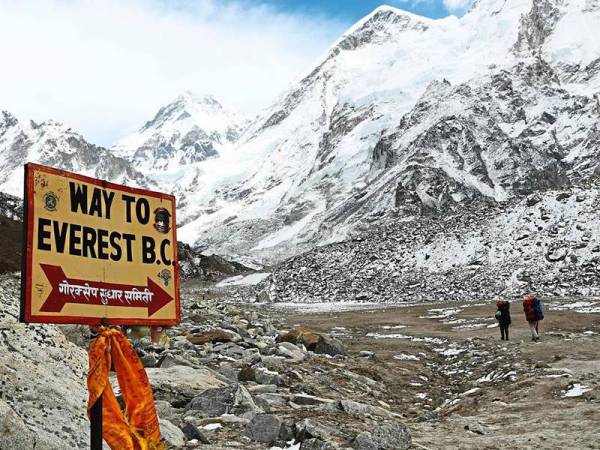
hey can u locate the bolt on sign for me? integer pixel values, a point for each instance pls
(96, 250)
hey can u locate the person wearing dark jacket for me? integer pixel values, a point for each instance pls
(532, 306)
(503, 317)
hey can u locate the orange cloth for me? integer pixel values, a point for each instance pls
(138, 429)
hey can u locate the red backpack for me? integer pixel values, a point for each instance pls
(529, 309)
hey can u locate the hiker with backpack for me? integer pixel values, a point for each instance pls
(503, 318)
(532, 306)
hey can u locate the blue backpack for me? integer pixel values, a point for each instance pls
(537, 305)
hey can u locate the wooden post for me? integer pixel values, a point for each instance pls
(96, 425)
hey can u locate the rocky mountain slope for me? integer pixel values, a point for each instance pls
(188, 130)
(53, 144)
(499, 103)
(404, 117)
(545, 243)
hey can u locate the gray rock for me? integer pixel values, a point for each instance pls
(392, 436)
(264, 428)
(310, 400)
(164, 409)
(276, 363)
(41, 353)
(291, 351)
(316, 444)
(192, 432)
(263, 389)
(273, 399)
(171, 435)
(364, 441)
(265, 376)
(308, 429)
(149, 360)
(167, 361)
(14, 434)
(362, 409)
(329, 346)
(179, 384)
(232, 399)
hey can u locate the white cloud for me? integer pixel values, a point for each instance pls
(457, 6)
(104, 67)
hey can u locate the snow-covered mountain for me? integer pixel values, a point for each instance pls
(55, 145)
(188, 130)
(404, 113)
(412, 113)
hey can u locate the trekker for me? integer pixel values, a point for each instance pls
(533, 313)
(503, 317)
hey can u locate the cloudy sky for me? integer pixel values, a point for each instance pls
(104, 67)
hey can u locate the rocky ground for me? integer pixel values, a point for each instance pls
(262, 376)
(546, 243)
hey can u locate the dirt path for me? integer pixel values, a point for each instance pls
(459, 386)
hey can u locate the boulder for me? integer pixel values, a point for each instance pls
(291, 351)
(392, 436)
(179, 384)
(232, 399)
(14, 434)
(316, 444)
(264, 428)
(364, 441)
(329, 346)
(192, 432)
(314, 341)
(171, 435)
(265, 376)
(301, 335)
(42, 375)
(213, 336)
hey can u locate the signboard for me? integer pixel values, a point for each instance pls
(96, 250)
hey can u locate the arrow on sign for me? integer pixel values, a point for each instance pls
(84, 292)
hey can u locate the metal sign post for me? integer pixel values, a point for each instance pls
(96, 425)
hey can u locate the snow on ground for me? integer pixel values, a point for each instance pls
(313, 308)
(240, 280)
(576, 390)
(584, 307)
(406, 357)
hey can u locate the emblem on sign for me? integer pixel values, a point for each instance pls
(50, 201)
(162, 218)
(165, 276)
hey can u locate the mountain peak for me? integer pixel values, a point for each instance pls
(192, 98)
(7, 119)
(381, 25)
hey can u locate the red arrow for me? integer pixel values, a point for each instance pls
(69, 290)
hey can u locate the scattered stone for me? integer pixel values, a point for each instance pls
(264, 428)
(192, 432)
(214, 336)
(171, 435)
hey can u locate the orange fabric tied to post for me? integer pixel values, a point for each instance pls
(138, 428)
